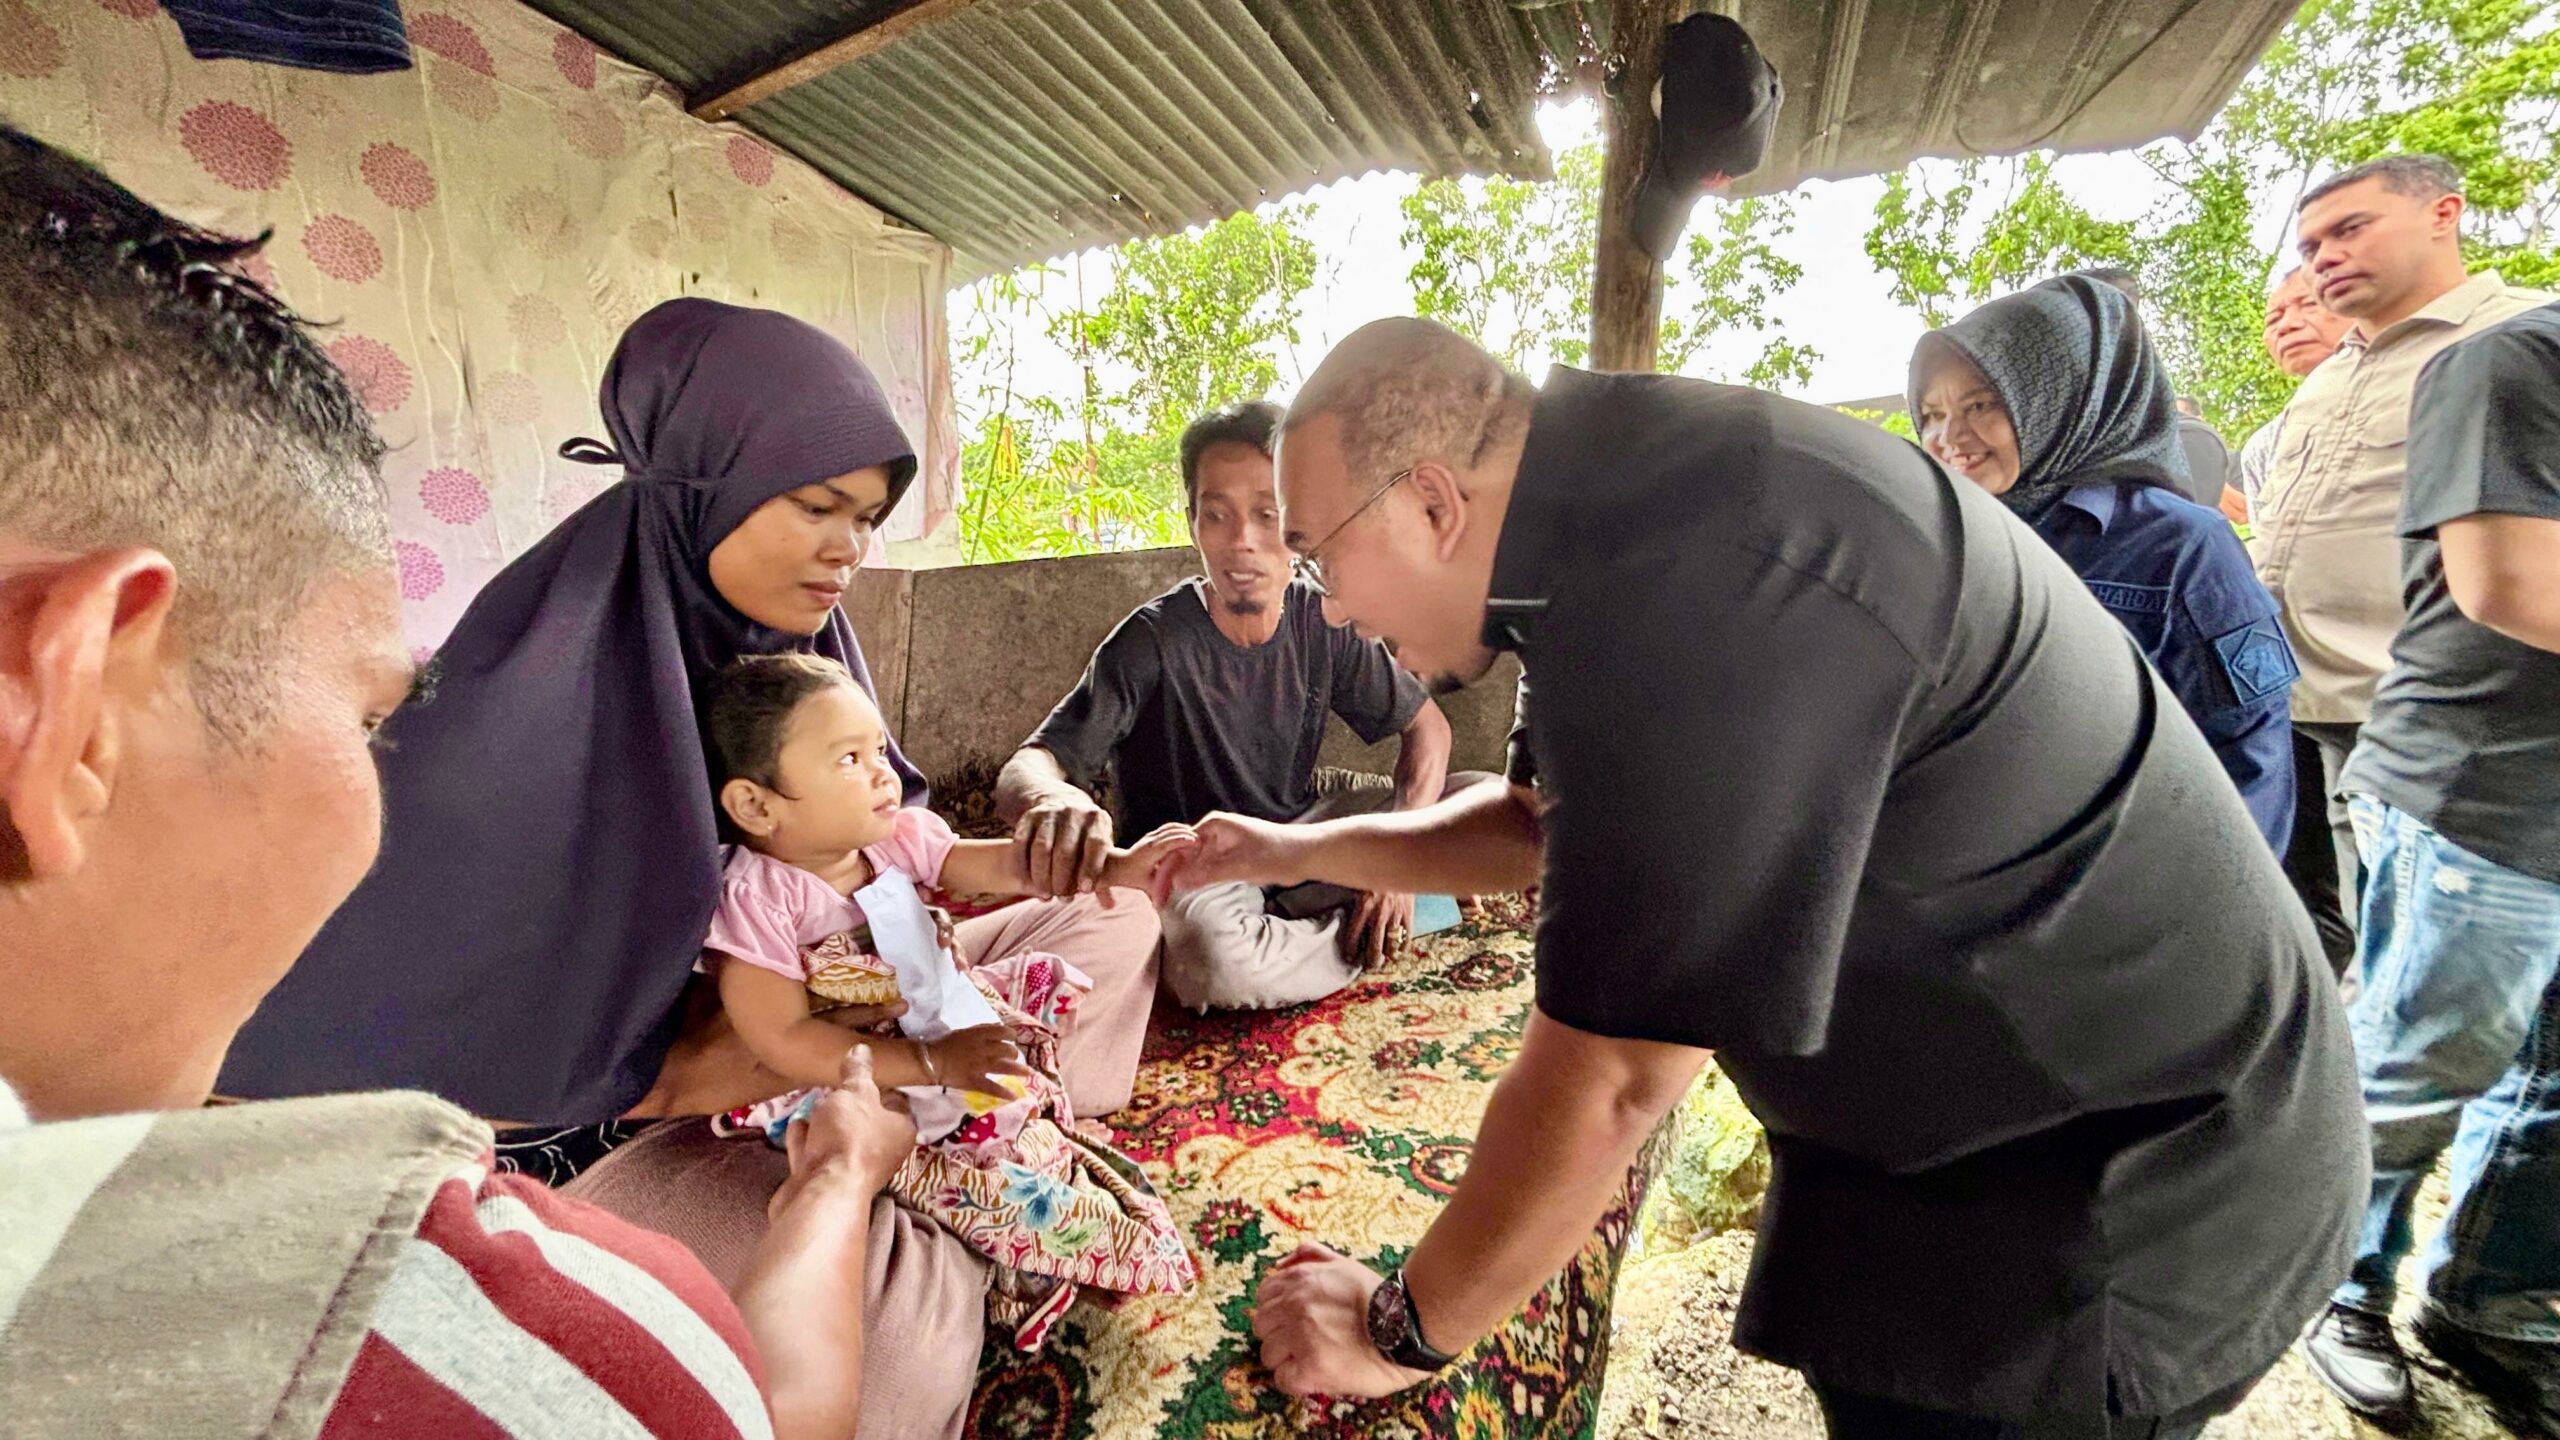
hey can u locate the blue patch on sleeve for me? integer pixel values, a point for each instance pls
(2256, 659)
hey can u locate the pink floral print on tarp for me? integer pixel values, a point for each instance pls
(473, 331)
(511, 398)
(380, 378)
(574, 55)
(542, 220)
(594, 129)
(651, 237)
(421, 573)
(396, 176)
(342, 249)
(749, 161)
(453, 495)
(472, 96)
(29, 48)
(537, 322)
(236, 145)
(441, 34)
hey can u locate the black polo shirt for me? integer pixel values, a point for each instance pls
(2465, 732)
(1850, 780)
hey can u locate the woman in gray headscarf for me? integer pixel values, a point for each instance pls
(2053, 400)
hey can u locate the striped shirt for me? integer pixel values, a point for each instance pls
(517, 1314)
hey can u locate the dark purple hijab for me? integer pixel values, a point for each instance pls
(549, 855)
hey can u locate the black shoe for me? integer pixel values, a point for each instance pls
(2355, 1354)
(2520, 1377)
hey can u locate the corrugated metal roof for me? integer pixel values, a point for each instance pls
(1022, 129)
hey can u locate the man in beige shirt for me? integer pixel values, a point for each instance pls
(2382, 245)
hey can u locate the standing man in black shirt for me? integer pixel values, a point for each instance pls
(1213, 696)
(2454, 787)
(1833, 768)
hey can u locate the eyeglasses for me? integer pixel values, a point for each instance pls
(1309, 567)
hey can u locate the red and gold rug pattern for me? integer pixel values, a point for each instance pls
(1346, 1122)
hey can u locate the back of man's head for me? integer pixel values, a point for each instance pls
(1406, 389)
(152, 396)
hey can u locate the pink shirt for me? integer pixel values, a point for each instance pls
(769, 909)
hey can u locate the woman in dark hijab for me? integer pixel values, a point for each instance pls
(549, 863)
(2053, 400)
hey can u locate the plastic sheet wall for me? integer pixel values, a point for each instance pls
(476, 231)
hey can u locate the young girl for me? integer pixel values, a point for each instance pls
(819, 907)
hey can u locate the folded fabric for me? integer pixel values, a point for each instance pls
(1053, 1209)
(343, 37)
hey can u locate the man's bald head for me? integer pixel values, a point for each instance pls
(1396, 463)
(1405, 390)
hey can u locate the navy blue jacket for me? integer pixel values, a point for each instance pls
(2175, 575)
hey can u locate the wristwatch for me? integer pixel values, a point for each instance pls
(1396, 1329)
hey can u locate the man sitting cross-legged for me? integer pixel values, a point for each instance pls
(1212, 696)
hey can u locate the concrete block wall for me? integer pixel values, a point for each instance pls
(968, 660)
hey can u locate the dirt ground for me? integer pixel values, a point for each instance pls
(1673, 1374)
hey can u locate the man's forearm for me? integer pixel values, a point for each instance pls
(1563, 1125)
(2528, 616)
(1031, 776)
(1477, 842)
(1422, 764)
(801, 1299)
(2504, 572)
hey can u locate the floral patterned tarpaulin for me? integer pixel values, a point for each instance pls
(476, 232)
(1349, 1122)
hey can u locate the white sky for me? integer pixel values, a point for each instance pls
(1841, 307)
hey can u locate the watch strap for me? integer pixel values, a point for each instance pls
(1416, 1352)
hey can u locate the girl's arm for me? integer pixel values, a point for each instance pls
(771, 1012)
(984, 867)
(1135, 868)
(995, 867)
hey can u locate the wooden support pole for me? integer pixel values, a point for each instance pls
(834, 54)
(1626, 283)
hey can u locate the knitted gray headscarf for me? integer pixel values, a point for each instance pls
(2085, 391)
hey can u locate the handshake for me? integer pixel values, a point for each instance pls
(1066, 849)
(1065, 844)
(1219, 849)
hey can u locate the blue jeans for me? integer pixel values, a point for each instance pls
(2457, 1033)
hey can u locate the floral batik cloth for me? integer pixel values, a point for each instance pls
(1052, 1208)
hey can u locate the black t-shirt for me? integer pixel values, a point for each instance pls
(1187, 721)
(2465, 732)
(1849, 778)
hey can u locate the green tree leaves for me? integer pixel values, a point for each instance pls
(2477, 81)
(1189, 322)
(1195, 316)
(1508, 264)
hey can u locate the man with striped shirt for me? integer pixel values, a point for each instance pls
(199, 627)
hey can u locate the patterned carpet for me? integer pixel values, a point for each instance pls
(1347, 1122)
